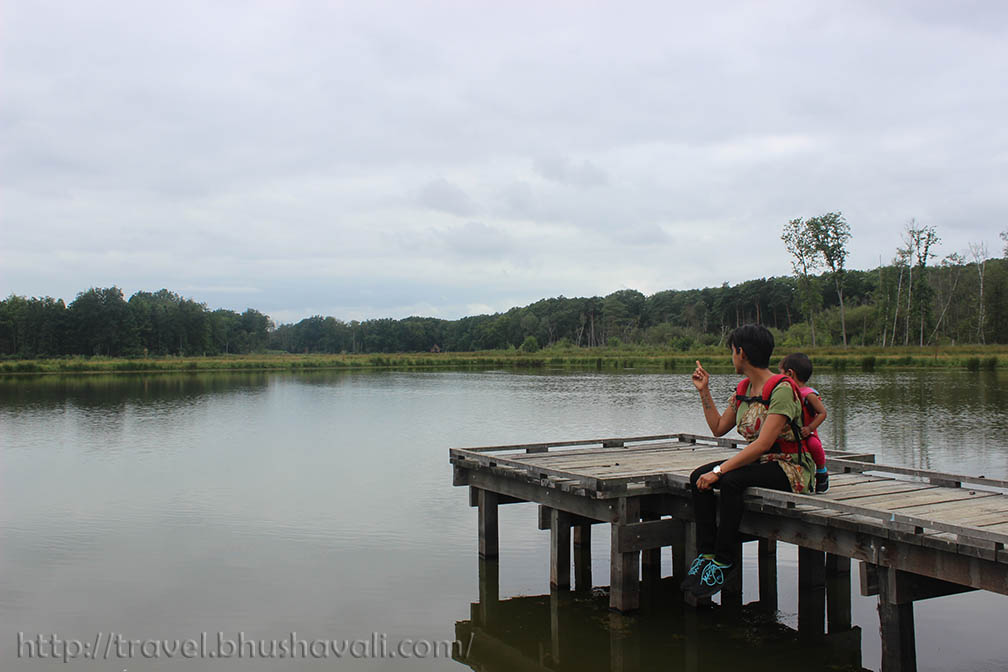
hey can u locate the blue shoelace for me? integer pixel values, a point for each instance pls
(698, 564)
(712, 575)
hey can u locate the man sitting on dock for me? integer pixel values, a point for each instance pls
(765, 409)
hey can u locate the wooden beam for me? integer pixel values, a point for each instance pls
(908, 587)
(501, 499)
(596, 509)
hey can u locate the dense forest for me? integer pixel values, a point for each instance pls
(908, 302)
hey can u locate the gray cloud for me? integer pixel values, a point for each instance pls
(377, 159)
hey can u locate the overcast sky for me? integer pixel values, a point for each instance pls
(386, 159)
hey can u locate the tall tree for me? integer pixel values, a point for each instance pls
(805, 259)
(979, 253)
(919, 240)
(829, 234)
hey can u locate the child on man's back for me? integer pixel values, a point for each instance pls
(798, 367)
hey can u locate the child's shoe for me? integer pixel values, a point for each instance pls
(821, 481)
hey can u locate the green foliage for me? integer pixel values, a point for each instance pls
(530, 344)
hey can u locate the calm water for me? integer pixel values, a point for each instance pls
(160, 507)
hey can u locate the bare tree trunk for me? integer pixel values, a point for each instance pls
(906, 329)
(895, 317)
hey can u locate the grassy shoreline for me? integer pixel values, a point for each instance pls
(973, 358)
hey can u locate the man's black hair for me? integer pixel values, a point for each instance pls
(756, 341)
(800, 364)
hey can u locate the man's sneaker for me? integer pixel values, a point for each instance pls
(821, 481)
(712, 578)
(695, 570)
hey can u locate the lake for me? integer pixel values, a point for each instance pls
(270, 510)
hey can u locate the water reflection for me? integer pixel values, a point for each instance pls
(577, 631)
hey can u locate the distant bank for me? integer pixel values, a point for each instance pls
(970, 357)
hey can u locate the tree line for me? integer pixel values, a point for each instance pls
(911, 301)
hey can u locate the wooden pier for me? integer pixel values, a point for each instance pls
(918, 534)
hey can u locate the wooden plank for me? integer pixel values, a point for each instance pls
(922, 473)
(933, 496)
(647, 535)
(885, 487)
(911, 587)
(532, 470)
(650, 457)
(920, 559)
(893, 517)
(982, 504)
(601, 452)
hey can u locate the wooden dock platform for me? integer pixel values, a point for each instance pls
(918, 533)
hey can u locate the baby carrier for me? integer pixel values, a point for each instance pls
(780, 445)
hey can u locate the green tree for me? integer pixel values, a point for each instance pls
(805, 259)
(829, 234)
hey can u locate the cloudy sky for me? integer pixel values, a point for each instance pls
(385, 159)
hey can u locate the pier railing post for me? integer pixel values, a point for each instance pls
(488, 539)
(624, 568)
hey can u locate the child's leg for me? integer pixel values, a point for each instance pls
(815, 449)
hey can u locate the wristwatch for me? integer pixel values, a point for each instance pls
(717, 469)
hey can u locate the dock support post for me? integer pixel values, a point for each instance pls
(624, 568)
(488, 540)
(896, 623)
(811, 592)
(838, 593)
(560, 549)
(767, 559)
(680, 563)
(651, 560)
(582, 558)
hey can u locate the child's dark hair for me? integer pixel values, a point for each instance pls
(800, 364)
(756, 341)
